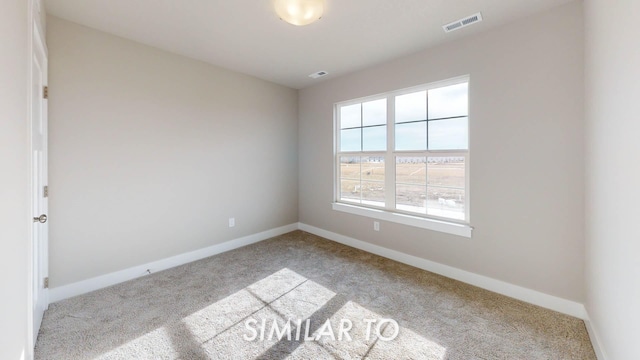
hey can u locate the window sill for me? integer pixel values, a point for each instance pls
(424, 223)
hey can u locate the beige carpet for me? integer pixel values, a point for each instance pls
(200, 311)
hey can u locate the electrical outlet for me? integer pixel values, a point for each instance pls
(232, 222)
(376, 226)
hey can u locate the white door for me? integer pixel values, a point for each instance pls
(40, 232)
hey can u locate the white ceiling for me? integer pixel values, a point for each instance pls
(247, 36)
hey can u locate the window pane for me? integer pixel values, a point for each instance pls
(449, 101)
(446, 171)
(372, 168)
(445, 202)
(373, 193)
(350, 140)
(350, 116)
(350, 178)
(374, 112)
(374, 138)
(350, 167)
(411, 107)
(411, 170)
(350, 190)
(412, 136)
(449, 134)
(411, 198)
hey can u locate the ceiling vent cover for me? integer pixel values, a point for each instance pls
(459, 24)
(318, 74)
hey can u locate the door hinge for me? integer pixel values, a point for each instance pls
(46, 282)
(45, 92)
(45, 192)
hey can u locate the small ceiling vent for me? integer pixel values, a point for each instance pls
(318, 74)
(459, 24)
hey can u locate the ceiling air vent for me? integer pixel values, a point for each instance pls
(318, 74)
(459, 24)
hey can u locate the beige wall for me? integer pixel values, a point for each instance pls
(613, 175)
(151, 153)
(526, 126)
(14, 177)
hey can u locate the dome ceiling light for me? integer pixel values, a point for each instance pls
(299, 12)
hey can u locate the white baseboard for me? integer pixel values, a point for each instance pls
(99, 282)
(555, 303)
(595, 339)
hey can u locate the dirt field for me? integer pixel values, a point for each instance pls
(421, 186)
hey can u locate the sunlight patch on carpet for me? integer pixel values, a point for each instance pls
(288, 314)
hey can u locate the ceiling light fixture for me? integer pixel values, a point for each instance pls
(299, 12)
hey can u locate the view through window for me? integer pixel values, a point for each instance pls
(406, 151)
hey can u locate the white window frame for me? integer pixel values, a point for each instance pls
(389, 212)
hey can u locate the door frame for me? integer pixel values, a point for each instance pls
(37, 43)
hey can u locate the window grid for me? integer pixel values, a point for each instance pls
(390, 155)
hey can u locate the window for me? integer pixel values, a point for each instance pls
(406, 152)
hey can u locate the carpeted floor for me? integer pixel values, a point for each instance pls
(208, 309)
